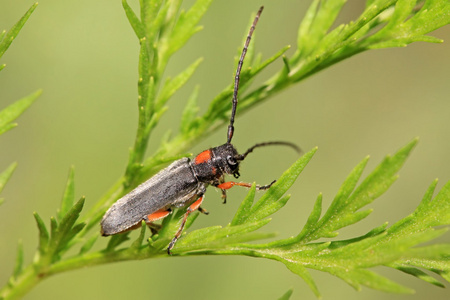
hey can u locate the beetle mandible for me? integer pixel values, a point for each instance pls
(184, 182)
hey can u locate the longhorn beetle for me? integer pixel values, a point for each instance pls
(184, 182)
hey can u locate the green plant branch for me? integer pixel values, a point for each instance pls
(341, 43)
(162, 30)
(347, 259)
(13, 111)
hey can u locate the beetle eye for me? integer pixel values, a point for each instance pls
(231, 161)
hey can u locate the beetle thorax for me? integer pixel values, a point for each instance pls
(213, 163)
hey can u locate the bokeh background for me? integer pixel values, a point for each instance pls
(83, 54)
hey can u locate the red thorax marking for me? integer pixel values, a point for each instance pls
(203, 157)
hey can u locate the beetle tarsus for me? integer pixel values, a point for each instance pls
(203, 211)
(172, 243)
(154, 228)
(265, 187)
(224, 196)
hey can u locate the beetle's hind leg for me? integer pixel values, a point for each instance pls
(193, 207)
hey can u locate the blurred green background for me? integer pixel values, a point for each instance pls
(83, 54)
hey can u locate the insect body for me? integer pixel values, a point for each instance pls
(184, 182)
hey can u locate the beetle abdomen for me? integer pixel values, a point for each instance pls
(174, 185)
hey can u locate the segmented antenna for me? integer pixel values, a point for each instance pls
(281, 143)
(238, 73)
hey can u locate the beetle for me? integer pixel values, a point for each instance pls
(184, 182)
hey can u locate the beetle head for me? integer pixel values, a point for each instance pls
(226, 158)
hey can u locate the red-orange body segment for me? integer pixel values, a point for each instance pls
(157, 215)
(203, 157)
(230, 184)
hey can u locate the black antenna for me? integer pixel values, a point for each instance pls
(294, 146)
(237, 77)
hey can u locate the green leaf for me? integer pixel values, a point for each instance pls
(287, 295)
(343, 210)
(312, 219)
(407, 25)
(419, 274)
(88, 245)
(264, 206)
(2, 35)
(149, 11)
(187, 25)
(136, 245)
(53, 228)
(5, 175)
(14, 110)
(244, 209)
(190, 112)
(134, 21)
(43, 234)
(318, 20)
(68, 197)
(433, 258)
(350, 260)
(63, 233)
(219, 237)
(116, 240)
(172, 85)
(359, 277)
(14, 31)
(260, 67)
(19, 260)
(155, 25)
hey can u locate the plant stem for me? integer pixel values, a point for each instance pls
(18, 287)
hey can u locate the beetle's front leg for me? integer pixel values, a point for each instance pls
(193, 207)
(228, 185)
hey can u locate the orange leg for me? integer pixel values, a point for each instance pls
(230, 184)
(194, 206)
(157, 215)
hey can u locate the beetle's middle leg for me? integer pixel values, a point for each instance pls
(224, 192)
(193, 207)
(202, 210)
